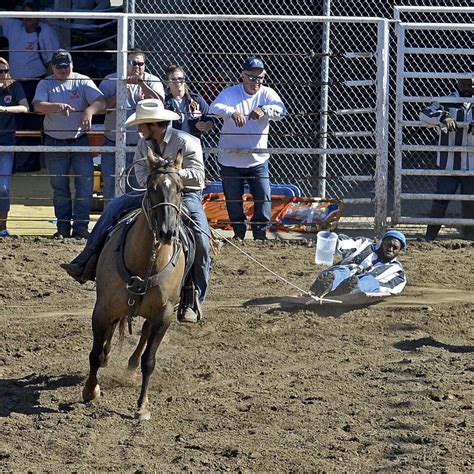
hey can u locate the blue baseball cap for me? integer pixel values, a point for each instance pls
(61, 58)
(253, 63)
(396, 235)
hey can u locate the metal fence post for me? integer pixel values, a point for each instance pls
(323, 124)
(397, 181)
(121, 106)
(131, 9)
(381, 171)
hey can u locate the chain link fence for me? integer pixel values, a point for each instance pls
(212, 54)
(429, 52)
(336, 110)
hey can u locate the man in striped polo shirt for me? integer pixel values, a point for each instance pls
(455, 124)
(366, 267)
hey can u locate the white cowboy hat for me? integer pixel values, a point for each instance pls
(149, 111)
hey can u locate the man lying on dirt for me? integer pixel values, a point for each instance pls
(366, 268)
(154, 123)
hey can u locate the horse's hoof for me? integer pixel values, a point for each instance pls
(142, 415)
(89, 396)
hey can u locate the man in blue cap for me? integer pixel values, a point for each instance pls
(366, 267)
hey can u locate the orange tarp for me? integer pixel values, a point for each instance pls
(298, 214)
(216, 210)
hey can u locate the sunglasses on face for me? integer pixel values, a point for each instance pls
(177, 80)
(62, 66)
(136, 63)
(254, 78)
(4, 70)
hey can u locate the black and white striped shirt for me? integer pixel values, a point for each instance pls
(360, 256)
(462, 114)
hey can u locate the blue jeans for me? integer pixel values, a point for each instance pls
(233, 182)
(201, 268)
(366, 283)
(192, 200)
(107, 167)
(59, 166)
(6, 165)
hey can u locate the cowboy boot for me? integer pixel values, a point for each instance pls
(437, 211)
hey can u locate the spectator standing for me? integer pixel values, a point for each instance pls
(140, 85)
(31, 44)
(69, 100)
(455, 124)
(246, 110)
(190, 106)
(12, 101)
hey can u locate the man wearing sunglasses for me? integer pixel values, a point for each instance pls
(246, 110)
(140, 85)
(68, 101)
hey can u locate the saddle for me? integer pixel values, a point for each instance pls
(137, 287)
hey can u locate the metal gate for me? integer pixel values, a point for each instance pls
(334, 140)
(430, 57)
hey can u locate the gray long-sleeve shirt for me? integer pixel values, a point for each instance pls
(192, 172)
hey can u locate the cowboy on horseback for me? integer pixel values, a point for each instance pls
(160, 139)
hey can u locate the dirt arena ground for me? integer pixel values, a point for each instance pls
(258, 386)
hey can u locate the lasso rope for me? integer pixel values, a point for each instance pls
(319, 299)
(215, 248)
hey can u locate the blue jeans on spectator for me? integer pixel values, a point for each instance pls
(107, 167)
(233, 182)
(59, 166)
(6, 166)
(121, 205)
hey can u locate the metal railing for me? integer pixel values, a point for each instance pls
(414, 148)
(294, 158)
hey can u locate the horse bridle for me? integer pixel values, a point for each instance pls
(148, 206)
(137, 286)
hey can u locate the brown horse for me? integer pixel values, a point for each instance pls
(151, 245)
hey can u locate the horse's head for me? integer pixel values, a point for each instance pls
(162, 203)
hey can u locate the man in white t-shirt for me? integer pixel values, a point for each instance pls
(246, 110)
(140, 85)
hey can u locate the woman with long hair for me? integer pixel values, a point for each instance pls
(191, 107)
(12, 101)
